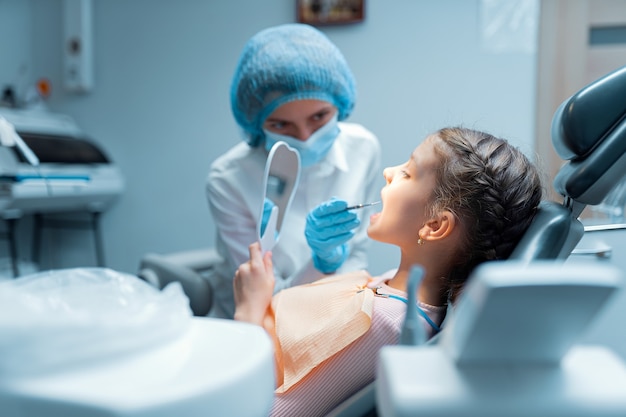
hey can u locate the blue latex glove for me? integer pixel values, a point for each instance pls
(328, 229)
(267, 210)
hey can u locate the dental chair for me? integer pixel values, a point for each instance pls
(510, 349)
(589, 133)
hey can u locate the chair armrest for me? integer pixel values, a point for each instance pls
(161, 270)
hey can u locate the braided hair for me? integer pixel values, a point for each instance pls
(492, 188)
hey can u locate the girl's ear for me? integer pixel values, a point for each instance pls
(438, 227)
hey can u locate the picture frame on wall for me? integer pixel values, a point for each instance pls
(330, 12)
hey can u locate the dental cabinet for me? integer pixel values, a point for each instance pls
(57, 169)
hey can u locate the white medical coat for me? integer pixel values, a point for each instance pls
(350, 171)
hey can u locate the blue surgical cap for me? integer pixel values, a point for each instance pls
(286, 63)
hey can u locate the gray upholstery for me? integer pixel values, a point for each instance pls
(190, 268)
(589, 115)
(547, 235)
(589, 130)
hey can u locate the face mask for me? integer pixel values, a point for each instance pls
(312, 150)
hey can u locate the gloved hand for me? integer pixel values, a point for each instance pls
(267, 210)
(328, 229)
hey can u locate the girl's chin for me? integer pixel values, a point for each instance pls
(371, 228)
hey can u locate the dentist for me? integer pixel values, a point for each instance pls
(292, 84)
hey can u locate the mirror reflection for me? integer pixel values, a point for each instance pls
(282, 173)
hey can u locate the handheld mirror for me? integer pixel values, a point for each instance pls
(282, 173)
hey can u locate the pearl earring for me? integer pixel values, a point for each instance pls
(420, 241)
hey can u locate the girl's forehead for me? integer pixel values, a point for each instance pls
(424, 151)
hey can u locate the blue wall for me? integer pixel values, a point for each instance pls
(160, 101)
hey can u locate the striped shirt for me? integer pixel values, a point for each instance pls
(342, 375)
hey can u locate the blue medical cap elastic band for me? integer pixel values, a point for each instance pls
(286, 63)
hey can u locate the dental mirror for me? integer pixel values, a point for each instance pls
(282, 173)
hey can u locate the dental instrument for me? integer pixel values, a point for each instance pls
(362, 205)
(413, 333)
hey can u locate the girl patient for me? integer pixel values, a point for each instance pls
(462, 198)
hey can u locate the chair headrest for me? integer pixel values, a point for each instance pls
(548, 234)
(589, 130)
(584, 120)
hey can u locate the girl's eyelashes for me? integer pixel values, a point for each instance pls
(396, 172)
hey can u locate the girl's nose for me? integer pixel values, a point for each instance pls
(387, 174)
